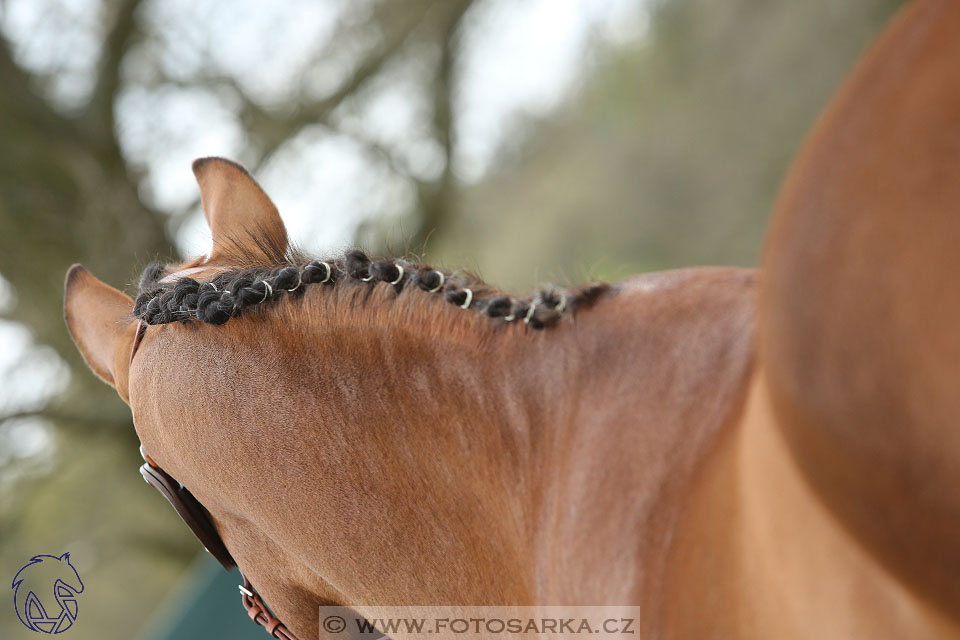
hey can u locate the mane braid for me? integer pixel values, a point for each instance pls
(231, 293)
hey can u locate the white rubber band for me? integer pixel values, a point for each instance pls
(329, 272)
(399, 277)
(563, 304)
(466, 303)
(442, 280)
(299, 282)
(267, 291)
(510, 318)
(533, 307)
(367, 279)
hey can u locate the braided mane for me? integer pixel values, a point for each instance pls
(233, 292)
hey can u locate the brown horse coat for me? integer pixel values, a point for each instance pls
(739, 459)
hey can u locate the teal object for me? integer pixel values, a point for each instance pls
(205, 605)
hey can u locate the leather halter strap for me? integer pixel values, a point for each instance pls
(198, 519)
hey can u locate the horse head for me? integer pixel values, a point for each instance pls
(367, 430)
(247, 229)
(295, 391)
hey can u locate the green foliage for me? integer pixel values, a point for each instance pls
(673, 153)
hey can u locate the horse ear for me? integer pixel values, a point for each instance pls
(101, 323)
(242, 218)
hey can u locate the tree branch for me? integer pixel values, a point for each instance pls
(19, 102)
(272, 129)
(437, 199)
(87, 425)
(98, 118)
(319, 111)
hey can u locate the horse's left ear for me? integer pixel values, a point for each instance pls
(101, 323)
(242, 218)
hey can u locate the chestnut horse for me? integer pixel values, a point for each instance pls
(740, 454)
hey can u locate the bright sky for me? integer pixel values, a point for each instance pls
(519, 59)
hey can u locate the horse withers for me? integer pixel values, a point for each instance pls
(734, 453)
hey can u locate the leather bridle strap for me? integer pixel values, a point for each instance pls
(189, 509)
(198, 519)
(259, 613)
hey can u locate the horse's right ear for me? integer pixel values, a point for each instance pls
(101, 323)
(242, 218)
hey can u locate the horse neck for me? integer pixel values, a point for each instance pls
(455, 433)
(414, 451)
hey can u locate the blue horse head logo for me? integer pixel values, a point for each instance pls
(45, 593)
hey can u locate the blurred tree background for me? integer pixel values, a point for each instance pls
(656, 138)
